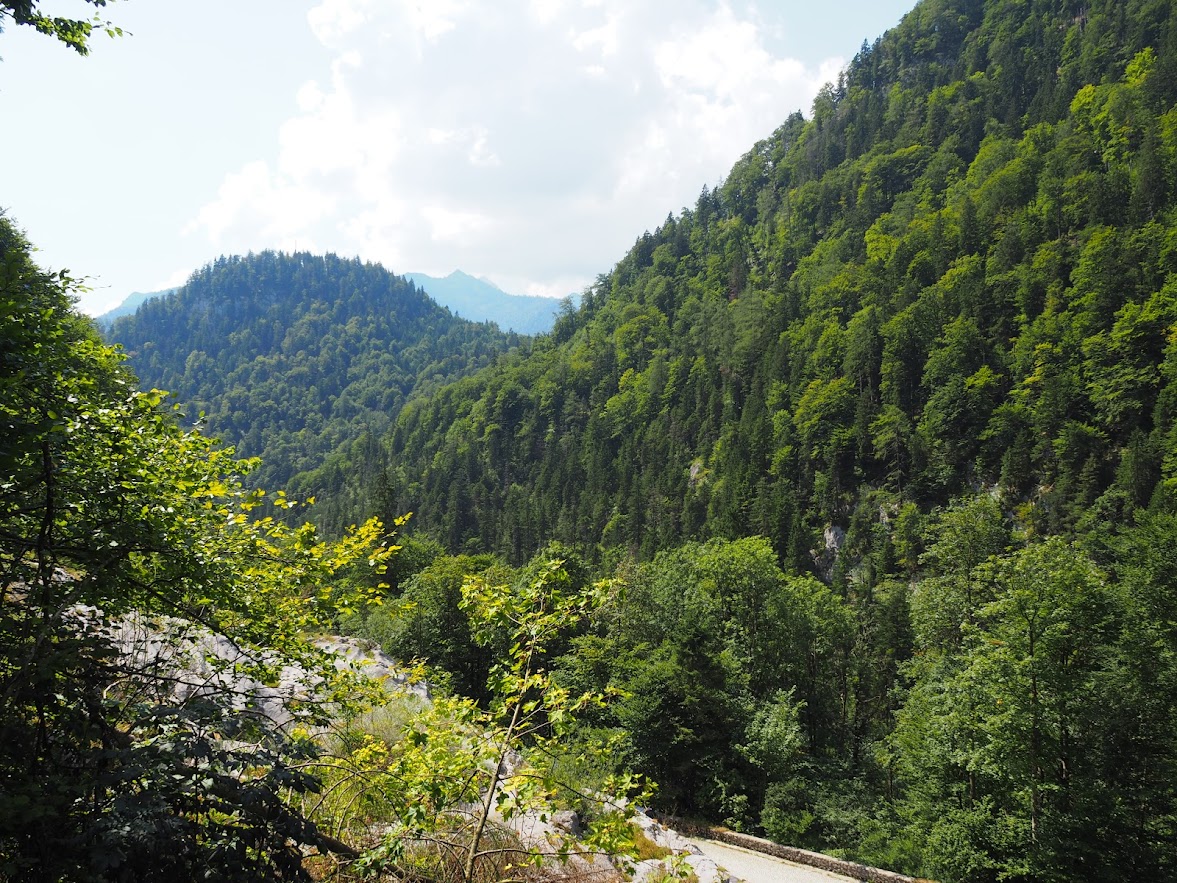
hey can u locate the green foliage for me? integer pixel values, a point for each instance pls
(907, 342)
(427, 622)
(775, 738)
(303, 361)
(456, 776)
(881, 433)
(1012, 726)
(729, 674)
(954, 276)
(73, 32)
(110, 512)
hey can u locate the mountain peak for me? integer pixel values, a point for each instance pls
(481, 300)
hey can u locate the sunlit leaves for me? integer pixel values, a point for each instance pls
(453, 764)
(112, 516)
(73, 32)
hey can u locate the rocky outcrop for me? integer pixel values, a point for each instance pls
(186, 661)
(825, 558)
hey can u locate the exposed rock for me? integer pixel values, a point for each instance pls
(552, 835)
(651, 870)
(707, 871)
(568, 821)
(188, 661)
(834, 537)
(656, 870)
(369, 660)
(825, 558)
(662, 836)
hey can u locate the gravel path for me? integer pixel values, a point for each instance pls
(755, 867)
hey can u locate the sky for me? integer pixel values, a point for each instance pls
(528, 142)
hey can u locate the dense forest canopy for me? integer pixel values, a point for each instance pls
(954, 276)
(304, 360)
(875, 443)
(904, 383)
(171, 709)
(112, 515)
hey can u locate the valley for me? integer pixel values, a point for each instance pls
(839, 511)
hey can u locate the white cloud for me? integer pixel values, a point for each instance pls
(270, 207)
(480, 153)
(456, 226)
(442, 136)
(604, 39)
(531, 141)
(433, 18)
(722, 84)
(546, 11)
(332, 21)
(174, 280)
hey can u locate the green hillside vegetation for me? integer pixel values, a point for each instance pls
(874, 445)
(304, 360)
(954, 277)
(131, 749)
(904, 387)
(108, 509)
(464, 295)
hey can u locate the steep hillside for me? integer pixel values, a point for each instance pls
(294, 357)
(922, 345)
(956, 275)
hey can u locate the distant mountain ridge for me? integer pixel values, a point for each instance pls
(475, 299)
(481, 301)
(129, 305)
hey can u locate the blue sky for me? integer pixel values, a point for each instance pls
(526, 141)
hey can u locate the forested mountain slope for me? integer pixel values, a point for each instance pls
(463, 294)
(922, 345)
(297, 356)
(956, 275)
